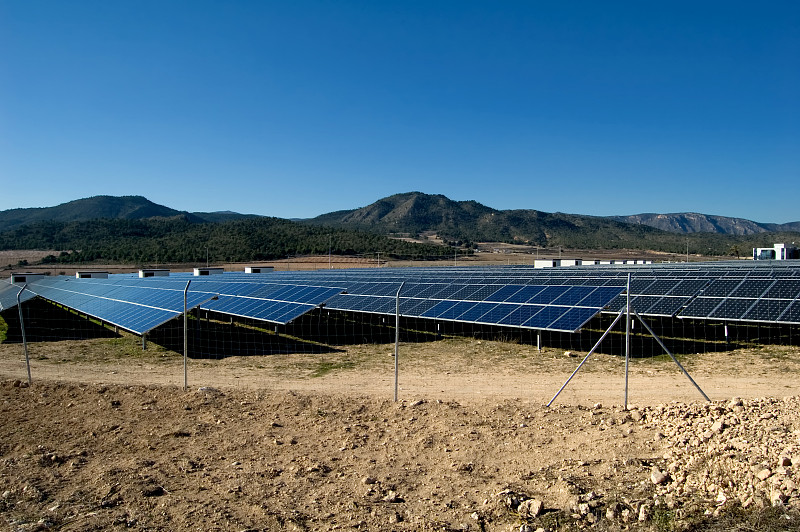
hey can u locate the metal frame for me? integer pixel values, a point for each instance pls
(627, 311)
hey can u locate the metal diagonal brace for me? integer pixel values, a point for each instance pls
(592, 350)
(667, 351)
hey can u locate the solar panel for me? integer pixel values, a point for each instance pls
(8, 295)
(767, 310)
(792, 314)
(701, 307)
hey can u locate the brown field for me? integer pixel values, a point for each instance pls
(492, 253)
(106, 438)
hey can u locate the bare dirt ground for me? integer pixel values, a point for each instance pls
(106, 438)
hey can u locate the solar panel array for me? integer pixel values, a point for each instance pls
(140, 305)
(562, 308)
(559, 299)
(747, 291)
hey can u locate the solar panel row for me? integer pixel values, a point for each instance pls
(552, 298)
(141, 305)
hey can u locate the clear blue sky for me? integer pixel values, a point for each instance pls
(298, 108)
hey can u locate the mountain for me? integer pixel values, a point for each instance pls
(692, 222)
(106, 207)
(470, 221)
(132, 228)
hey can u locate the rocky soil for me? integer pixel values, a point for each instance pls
(106, 439)
(97, 457)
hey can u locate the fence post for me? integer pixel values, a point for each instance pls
(397, 337)
(22, 327)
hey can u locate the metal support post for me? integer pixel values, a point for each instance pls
(397, 338)
(627, 337)
(185, 336)
(587, 356)
(22, 327)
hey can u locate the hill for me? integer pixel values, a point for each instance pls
(692, 222)
(121, 207)
(134, 229)
(181, 239)
(467, 222)
(106, 207)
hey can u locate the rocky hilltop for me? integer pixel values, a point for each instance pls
(692, 222)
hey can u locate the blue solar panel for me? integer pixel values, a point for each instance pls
(438, 309)
(521, 315)
(600, 296)
(474, 313)
(497, 312)
(791, 314)
(701, 307)
(416, 307)
(548, 315)
(767, 310)
(573, 295)
(732, 308)
(573, 319)
(667, 306)
(525, 294)
(549, 295)
(8, 295)
(503, 293)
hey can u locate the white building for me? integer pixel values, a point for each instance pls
(258, 269)
(777, 252)
(153, 273)
(91, 275)
(208, 271)
(25, 277)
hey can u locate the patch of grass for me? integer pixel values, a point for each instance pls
(3, 329)
(663, 519)
(323, 368)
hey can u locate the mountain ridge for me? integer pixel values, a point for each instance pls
(106, 207)
(397, 213)
(411, 212)
(693, 222)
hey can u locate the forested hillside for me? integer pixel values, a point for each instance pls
(178, 239)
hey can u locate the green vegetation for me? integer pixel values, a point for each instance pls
(179, 239)
(3, 329)
(133, 230)
(323, 368)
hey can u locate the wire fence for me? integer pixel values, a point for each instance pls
(62, 341)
